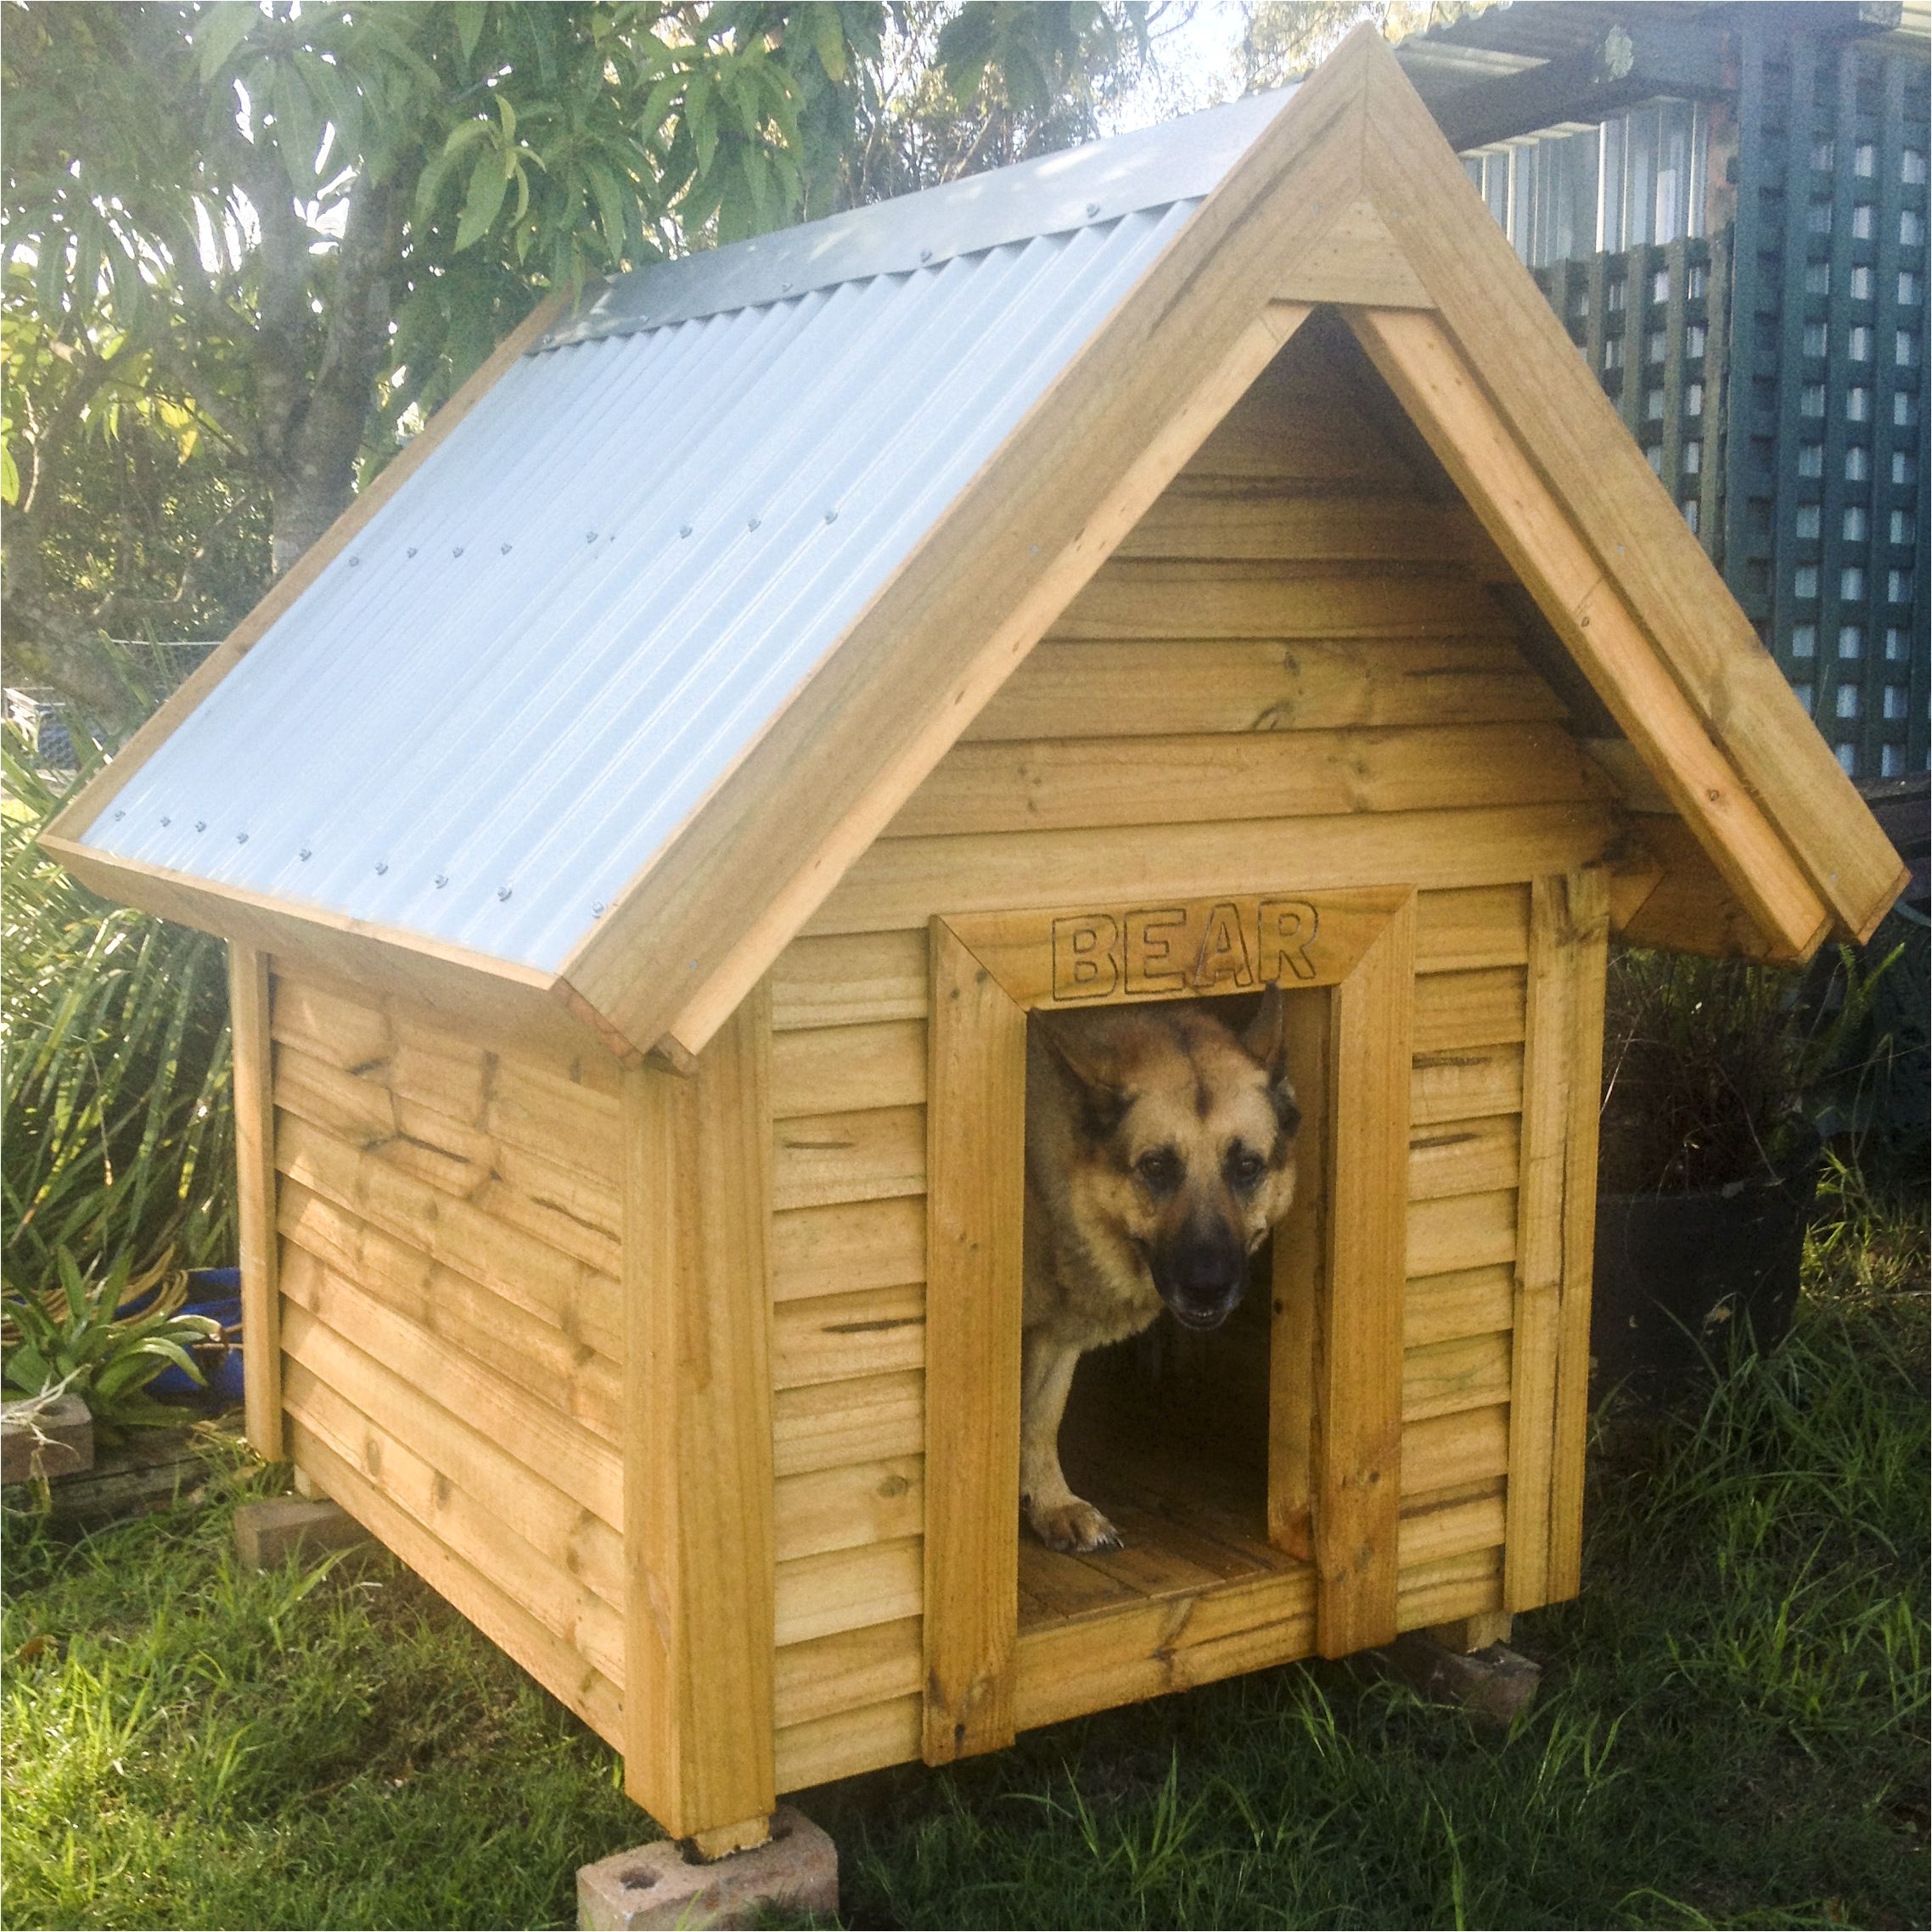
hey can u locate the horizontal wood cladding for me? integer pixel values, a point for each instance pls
(1207, 519)
(1055, 783)
(829, 1070)
(535, 1355)
(1126, 690)
(560, 1669)
(826, 1425)
(1176, 600)
(850, 979)
(900, 880)
(548, 1506)
(824, 1158)
(469, 1525)
(849, 1245)
(845, 1743)
(520, 1267)
(848, 1671)
(834, 1338)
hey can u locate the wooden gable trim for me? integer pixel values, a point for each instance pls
(82, 809)
(1569, 429)
(1432, 378)
(700, 924)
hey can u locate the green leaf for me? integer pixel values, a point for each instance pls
(487, 185)
(828, 37)
(220, 31)
(298, 126)
(469, 16)
(611, 209)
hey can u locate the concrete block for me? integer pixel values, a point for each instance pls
(795, 1871)
(1493, 1684)
(40, 1437)
(265, 1533)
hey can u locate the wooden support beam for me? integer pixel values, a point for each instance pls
(253, 1055)
(1359, 1349)
(977, 1108)
(699, 1620)
(1550, 1346)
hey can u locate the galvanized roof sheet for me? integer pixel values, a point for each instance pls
(490, 712)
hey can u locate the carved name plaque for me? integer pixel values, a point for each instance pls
(1230, 946)
(1236, 943)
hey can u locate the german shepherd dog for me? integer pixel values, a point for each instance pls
(1160, 1152)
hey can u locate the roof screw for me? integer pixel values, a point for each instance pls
(410, 551)
(304, 853)
(502, 892)
(241, 838)
(785, 288)
(831, 516)
(752, 525)
(443, 879)
(200, 824)
(382, 865)
(1093, 209)
(685, 531)
(166, 820)
(504, 552)
(120, 811)
(925, 254)
(597, 909)
(354, 563)
(590, 536)
(457, 552)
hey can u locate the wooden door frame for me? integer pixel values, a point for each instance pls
(988, 971)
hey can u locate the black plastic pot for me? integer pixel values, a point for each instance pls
(1682, 1279)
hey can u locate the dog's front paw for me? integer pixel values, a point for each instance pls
(1074, 1527)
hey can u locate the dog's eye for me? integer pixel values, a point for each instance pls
(1159, 1169)
(1244, 1168)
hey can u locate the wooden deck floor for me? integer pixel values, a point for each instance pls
(1188, 1521)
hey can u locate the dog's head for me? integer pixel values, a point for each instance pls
(1188, 1142)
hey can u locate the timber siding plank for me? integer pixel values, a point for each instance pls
(1154, 687)
(903, 878)
(1043, 784)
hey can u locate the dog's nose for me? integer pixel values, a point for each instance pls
(1204, 1277)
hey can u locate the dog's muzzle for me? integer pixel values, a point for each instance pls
(1201, 1279)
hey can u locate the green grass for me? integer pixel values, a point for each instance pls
(1732, 1730)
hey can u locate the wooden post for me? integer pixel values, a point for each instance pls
(1300, 1262)
(976, 1136)
(698, 1500)
(1586, 897)
(253, 1055)
(1359, 1374)
(1550, 1343)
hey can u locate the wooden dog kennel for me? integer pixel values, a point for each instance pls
(645, 823)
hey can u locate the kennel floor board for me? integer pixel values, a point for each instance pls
(1186, 1524)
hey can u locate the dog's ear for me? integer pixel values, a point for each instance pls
(1104, 1101)
(1266, 1034)
(1267, 1039)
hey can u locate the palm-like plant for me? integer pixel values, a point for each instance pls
(118, 1123)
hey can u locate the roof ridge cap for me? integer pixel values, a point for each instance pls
(1096, 182)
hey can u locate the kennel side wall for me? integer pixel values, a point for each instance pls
(447, 1216)
(1292, 674)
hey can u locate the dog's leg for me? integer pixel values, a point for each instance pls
(1060, 1519)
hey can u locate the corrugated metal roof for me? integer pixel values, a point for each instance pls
(489, 713)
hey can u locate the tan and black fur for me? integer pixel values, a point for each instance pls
(1160, 1152)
